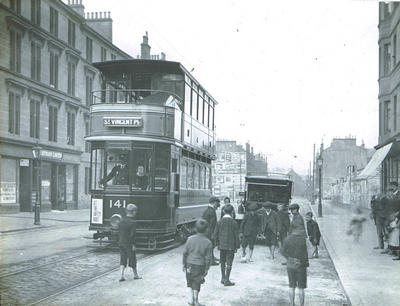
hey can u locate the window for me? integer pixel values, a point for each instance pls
(190, 176)
(103, 54)
(395, 113)
(97, 161)
(53, 69)
(14, 110)
(141, 169)
(54, 22)
(212, 116)
(89, 49)
(53, 123)
(35, 12)
(87, 131)
(87, 177)
(183, 174)
(89, 88)
(386, 115)
(380, 120)
(113, 57)
(71, 33)
(8, 174)
(394, 49)
(71, 78)
(386, 59)
(70, 183)
(15, 5)
(71, 128)
(161, 171)
(15, 51)
(35, 60)
(34, 130)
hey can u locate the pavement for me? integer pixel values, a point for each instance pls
(369, 278)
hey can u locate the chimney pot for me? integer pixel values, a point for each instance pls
(96, 14)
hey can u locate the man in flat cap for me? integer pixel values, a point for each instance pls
(249, 230)
(297, 222)
(210, 216)
(270, 228)
(127, 235)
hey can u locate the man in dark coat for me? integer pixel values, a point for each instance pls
(314, 234)
(210, 216)
(297, 221)
(127, 235)
(248, 231)
(227, 239)
(294, 249)
(270, 228)
(284, 222)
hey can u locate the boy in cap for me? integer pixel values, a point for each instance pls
(127, 235)
(249, 230)
(313, 232)
(271, 228)
(227, 201)
(297, 221)
(210, 216)
(197, 260)
(227, 239)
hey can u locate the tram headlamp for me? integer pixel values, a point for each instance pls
(115, 220)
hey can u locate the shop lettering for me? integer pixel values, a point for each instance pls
(123, 122)
(50, 154)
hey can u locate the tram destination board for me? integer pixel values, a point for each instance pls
(123, 121)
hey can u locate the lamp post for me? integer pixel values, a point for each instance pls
(319, 164)
(38, 199)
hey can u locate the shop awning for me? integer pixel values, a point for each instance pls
(375, 161)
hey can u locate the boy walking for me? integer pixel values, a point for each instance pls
(248, 231)
(197, 260)
(314, 234)
(227, 239)
(271, 229)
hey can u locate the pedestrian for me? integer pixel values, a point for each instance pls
(394, 233)
(227, 239)
(240, 214)
(284, 222)
(197, 260)
(270, 228)
(378, 215)
(227, 201)
(126, 240)
(294, 249)
(314, 234)
(210, 216)
(356, 225)
(391, 204)
(248, 231)
(297, 220)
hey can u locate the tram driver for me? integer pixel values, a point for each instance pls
(119, 172)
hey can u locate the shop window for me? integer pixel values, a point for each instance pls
(70, 183)
(15, 51)
(46, 181)
(161, 171)
(195, 177)
(8, 181)
(14, 110)
(97, 168)
(35, 60)
(183, 174)
(34, 130)
(190, 177)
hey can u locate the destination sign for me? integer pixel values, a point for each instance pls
(123, 122)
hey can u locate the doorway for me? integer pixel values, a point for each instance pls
(25, 188)
(58, 187)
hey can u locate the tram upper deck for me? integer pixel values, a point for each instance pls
(153, 100)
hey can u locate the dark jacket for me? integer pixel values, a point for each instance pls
(226, 234)
(295, 246)
(211, 217)
(270, 221)
(313, 232)
(127, 231)
(250, 224)
(284, 221)
(297, 223)
(233, 212)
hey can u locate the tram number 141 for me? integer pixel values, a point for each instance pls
(117, 203)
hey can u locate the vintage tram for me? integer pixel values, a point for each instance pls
(152, 136)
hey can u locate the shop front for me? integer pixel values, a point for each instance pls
(56, 171)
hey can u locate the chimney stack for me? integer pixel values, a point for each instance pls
(145, 47)
(77, 6)
(101, 22)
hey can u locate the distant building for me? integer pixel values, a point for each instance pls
(299, 185)
(232, 165)
(343, 154)
(46, 80)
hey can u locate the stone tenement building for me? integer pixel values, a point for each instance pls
(389, 92)
(343, 154)
(233, 164)
(46, 78)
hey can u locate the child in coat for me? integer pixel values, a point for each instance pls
(356, 225)
(314, 234)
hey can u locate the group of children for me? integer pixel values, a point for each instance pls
(228, 236)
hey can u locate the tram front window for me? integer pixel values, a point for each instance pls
(117, 168)
(141, 167)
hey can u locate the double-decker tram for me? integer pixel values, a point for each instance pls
(152, 140)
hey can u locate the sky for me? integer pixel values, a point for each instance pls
(286, 74)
